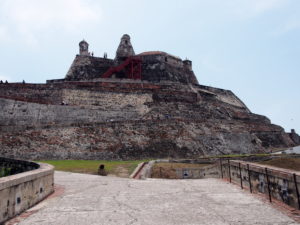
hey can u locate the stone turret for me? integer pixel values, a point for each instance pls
(187, 64)
(83, 48)
(295, 137)
(125, 48)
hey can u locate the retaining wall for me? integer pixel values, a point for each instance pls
(211, 171)
(276, 183)
(23, 190)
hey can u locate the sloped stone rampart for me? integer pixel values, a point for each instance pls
(136, 139)
(113, 120)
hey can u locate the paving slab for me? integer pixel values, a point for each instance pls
(89, 199)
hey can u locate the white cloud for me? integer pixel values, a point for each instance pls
(28, 17)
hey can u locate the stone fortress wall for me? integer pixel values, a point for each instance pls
(165, 113)
(86, 67)
(112, 120)
(162, 57)
(21, 191)
(160, 66)
(105, 97)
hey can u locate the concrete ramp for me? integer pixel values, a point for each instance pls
(89, 199)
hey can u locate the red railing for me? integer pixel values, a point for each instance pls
(132, 67)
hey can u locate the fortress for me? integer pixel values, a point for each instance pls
(147, 105)
(152, 66)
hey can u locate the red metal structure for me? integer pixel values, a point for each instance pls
(132, 68)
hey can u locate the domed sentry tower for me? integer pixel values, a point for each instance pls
(125, 49)
(83, 48)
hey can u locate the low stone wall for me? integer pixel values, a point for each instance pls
(23, 190)
(276, 183)
(211, 171)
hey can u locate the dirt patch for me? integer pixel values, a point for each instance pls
(286, 163)
(168, 170)
(121, 171)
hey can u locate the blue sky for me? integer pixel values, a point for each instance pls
(248, 46)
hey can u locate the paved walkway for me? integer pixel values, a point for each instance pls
(89, 199)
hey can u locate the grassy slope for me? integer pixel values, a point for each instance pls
(286, 163)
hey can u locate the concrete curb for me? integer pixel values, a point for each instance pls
(147, 169)
(137, 170)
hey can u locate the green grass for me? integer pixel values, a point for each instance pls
(238, 155)
(4, 172)
(91, 166)
(284, 162)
